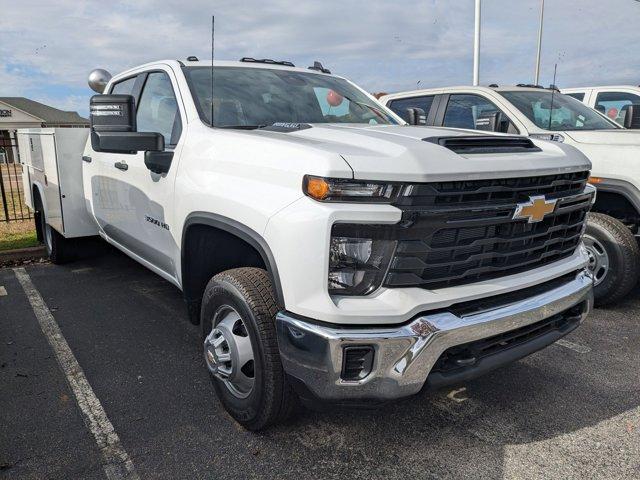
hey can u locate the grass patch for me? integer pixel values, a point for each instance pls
(20, 234)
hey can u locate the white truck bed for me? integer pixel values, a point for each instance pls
(52, 162)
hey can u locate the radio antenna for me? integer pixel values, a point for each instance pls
(553, 91)
(213, 19)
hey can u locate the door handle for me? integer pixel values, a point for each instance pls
(121, 166)
(86, 158)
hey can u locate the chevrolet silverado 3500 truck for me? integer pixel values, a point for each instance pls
(329, 251)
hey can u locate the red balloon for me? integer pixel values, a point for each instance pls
(612, 113)
(334, 98)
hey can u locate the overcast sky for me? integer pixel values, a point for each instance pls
(47, 48)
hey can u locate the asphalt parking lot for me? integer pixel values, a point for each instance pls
(570, 411)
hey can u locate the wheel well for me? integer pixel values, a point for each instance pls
(207, 251)
(617, 206)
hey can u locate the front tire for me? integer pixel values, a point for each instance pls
(241, 348)
(614, 258)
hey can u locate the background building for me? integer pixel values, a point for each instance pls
(20, 112)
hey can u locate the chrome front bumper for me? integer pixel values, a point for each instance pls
(312, 353)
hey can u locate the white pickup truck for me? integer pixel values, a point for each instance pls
(328, 250)
(614, 256)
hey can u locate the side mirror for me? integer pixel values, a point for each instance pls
(632, 116)
(113, 126)
(416, 116)
(158, 162)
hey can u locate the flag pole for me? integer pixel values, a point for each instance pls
(476, 46)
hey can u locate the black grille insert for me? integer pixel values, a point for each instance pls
(500, 191)
(454, 233)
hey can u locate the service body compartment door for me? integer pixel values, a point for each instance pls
(25, 161)
(70, 144)
(38, 148)
(45, 145)
(52, 163)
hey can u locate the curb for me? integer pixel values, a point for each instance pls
(21, 254)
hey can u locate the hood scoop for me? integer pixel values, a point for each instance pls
(476, 144)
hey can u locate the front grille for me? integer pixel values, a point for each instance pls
(454, 233)
(471, 193)
(468, 354)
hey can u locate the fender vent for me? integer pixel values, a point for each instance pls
(485, 144)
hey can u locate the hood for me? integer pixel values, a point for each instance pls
(399, 153)
(605, 137)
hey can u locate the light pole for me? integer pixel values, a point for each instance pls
(537, 79)
(476, 46)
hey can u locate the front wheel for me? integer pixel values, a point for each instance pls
(614, 258)
(241, 348)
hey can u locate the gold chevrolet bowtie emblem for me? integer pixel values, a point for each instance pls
(535, 209)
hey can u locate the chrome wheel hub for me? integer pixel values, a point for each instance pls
(598, 259)
(228, 352)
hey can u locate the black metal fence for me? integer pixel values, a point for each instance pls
(12, 206)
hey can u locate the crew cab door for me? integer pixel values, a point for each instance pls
(132, 204)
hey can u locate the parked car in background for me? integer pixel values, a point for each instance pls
(619, 103)
(548, 114)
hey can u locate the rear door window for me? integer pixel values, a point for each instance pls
(615, 104)
(401, 105)
(474, 112)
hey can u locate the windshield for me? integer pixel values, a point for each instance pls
(256, 97)
(566, 113)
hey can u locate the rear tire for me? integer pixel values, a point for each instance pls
(241, 348)
(614, 258)
(59, 249)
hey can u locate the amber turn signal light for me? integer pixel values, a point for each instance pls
(317, 188)
(594, 180)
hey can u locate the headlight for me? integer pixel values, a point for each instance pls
(552, 137)
(357, 265)
(343, 190)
